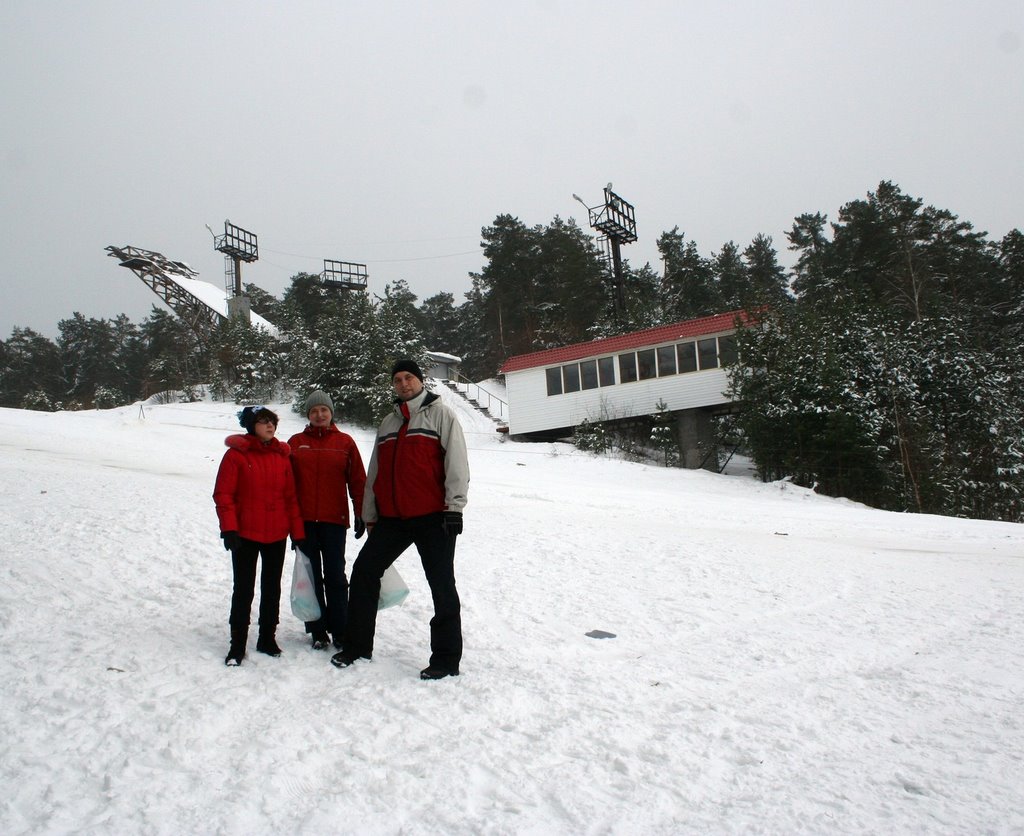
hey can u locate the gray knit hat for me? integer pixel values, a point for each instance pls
(319, 398)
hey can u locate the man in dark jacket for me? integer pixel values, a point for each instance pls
(416, 488)
(326, 462)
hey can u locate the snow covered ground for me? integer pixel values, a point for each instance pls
(782, 662)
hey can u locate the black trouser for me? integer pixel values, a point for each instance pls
(387, 540)
(325, 548)
(243, 562)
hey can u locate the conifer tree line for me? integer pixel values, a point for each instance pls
(884, 366)
(893, 373)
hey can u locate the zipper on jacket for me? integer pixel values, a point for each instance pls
(404, 409)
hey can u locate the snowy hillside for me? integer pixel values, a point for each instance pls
(781, 662)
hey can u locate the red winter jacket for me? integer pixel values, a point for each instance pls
(255, 491)
(326, 462)
(419, 464)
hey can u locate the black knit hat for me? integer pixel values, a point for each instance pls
(251, 414)
(407, 366)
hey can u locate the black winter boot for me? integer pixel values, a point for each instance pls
(266, 642)
(236, 652)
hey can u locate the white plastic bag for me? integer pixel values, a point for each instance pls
(304, 604)
(392, 589)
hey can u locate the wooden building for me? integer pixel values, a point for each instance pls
(624, 378)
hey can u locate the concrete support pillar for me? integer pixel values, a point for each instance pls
(238, 306)
(695, 436)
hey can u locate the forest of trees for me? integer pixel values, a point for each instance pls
(893, 373)
(883, 367)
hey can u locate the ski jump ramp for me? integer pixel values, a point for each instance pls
(200, 304)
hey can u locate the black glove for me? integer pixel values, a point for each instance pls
(452, 523)
(358, 527)
(300, 545)
(231, 540)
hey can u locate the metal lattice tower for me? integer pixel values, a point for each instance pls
(159, 274)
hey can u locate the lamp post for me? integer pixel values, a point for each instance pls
(584, 205)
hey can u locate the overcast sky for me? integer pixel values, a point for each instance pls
(390, 133)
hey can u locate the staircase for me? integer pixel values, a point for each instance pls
(481, 400)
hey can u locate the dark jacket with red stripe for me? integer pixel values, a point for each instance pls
(255, 491)
(326, 462)
(419, 464)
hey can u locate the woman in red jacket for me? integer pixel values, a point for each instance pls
(327, 463)
(257, 508)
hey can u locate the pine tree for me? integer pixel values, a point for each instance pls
(663, 435)
(37, 400)
(100, 354)
(340, 361)
(396, 336)
(893, 251)
(591, 437)
(304, 304)
(247, 362)
(812, 387)
(263, 303)
(688, 289)
(506, 290)
(812, 276)
(542, 286)
(972, 424)
(767, 283)
(29, 365)
(359, 341)
(177, 361)
(731, 277)
(441, 323)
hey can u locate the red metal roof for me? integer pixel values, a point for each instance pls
(689, 329)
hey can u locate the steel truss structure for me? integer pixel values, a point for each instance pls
(160, 275)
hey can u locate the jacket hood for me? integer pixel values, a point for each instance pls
(251, 444)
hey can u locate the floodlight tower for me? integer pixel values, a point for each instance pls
(238, 245)
(343, 275)
(614, 218)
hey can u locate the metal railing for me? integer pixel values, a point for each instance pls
(495, 406)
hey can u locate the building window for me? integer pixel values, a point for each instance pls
(727, 350)
(554, 381)
(707, 353)
(627, 367)
(645, 362)
(666, 360)
(687, 353)
(571, 378)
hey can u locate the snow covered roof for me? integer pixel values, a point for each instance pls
(441, 357)
(687, 329)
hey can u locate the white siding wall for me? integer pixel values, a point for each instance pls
(531, 409)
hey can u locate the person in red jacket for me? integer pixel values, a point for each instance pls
(327, 463)
(257, 509)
